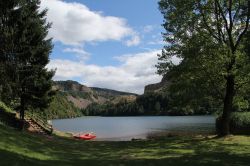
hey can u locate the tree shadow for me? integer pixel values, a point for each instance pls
(21, 148)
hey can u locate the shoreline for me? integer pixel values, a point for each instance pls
(141, 137)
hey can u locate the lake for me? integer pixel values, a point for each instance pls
(140, 127)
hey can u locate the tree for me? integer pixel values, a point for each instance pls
(6, 49)
(25, 49)
(157, 107)
(208, 35)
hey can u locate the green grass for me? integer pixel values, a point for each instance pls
(21, 148)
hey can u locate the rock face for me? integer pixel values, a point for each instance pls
(82, 96)
(157, 87)
(71, 86)
(107, 93)
(79, 102)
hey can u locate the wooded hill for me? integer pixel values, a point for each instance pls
(72, 99)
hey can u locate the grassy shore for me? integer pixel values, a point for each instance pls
(22, 148)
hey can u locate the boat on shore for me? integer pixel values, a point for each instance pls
(85, 136)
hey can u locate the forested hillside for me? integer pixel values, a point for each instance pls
(72, 99)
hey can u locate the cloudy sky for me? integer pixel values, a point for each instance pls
(105, 43)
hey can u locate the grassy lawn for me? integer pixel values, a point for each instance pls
(21, 148)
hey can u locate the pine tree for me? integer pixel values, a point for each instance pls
(29, 54)
(7, 49)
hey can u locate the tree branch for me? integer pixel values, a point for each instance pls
(217, 21)
(230, 16)
(218, 25)
(237, 11)
(246, 27)
(206, 23)
(228, 27)
(222, 14)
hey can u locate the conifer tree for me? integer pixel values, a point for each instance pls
(27, 49)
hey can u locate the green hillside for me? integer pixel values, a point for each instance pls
(72, 99)
(61, 107)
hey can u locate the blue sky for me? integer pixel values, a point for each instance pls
(105, 43)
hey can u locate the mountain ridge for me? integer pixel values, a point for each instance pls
(72, 98)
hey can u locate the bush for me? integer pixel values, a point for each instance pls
(239, 123)
(8, 116)
(6, 109)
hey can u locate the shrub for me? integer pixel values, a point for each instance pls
(239, 123)
(5, 108)
(8, 116)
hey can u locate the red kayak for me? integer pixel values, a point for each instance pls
(87, 136)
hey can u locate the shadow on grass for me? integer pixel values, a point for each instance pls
(20, 148)
(208, 159)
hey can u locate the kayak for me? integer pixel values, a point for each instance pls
(87, 136)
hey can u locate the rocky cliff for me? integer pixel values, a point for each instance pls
(157, 87)
(72, 98)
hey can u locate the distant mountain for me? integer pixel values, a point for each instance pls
(72, 98)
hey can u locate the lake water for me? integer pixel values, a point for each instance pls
(126, 128)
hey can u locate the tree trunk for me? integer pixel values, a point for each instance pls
(22, 109)
(22, 113)
(228, 106)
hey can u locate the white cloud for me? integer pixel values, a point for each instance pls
(136, 71)
(74, 24)
(156, 39)
(148, 28)
(79, 52)
(141, 64)
(134, 41)
(175, 60)
(156, 42)
(75, 50)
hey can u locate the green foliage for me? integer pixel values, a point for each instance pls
(148, 104)
(8, 116)
(153, 103)
(5, 108)
(241, 104)
(210, 37)
(59, 108)
(110, 109)
(181, 111)
(24, 53)
(239, 123)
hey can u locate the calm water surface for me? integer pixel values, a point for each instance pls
(126, 128)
